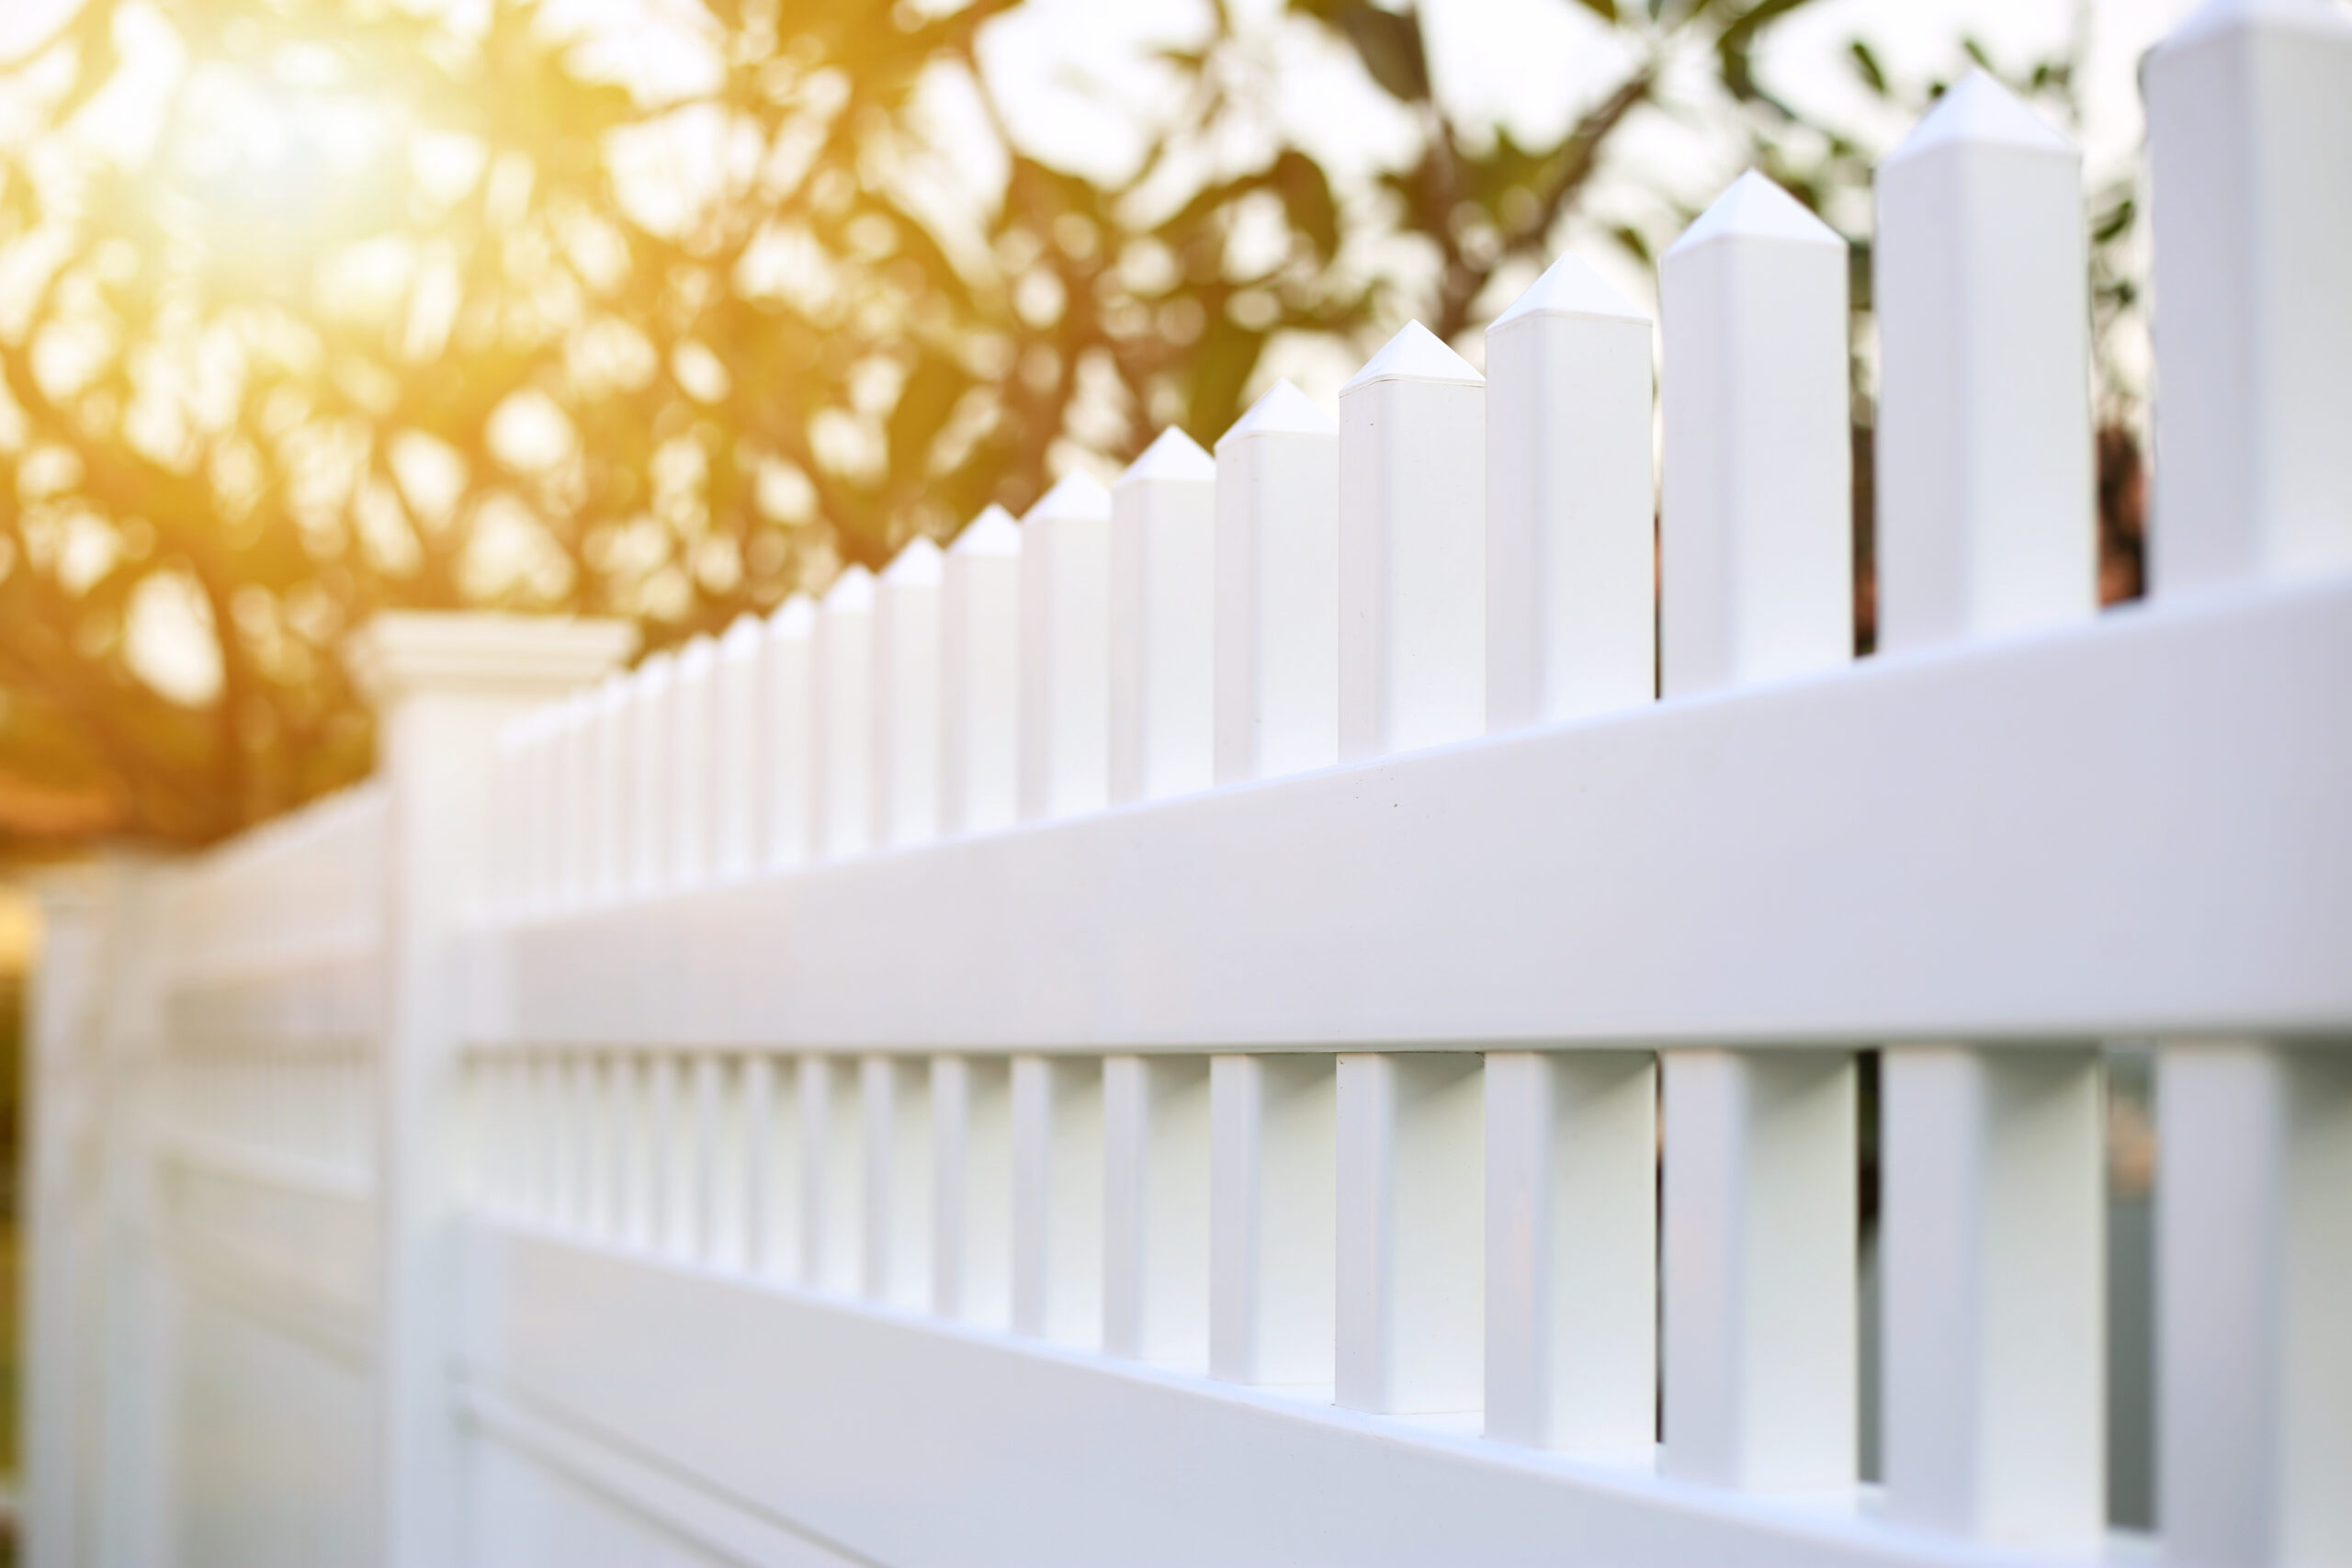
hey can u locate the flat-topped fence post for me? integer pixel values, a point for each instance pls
(442, 686)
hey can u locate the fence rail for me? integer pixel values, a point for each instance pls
(1340, 1000)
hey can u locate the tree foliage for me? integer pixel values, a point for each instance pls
(309, 308)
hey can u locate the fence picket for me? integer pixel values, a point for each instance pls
(1412, 549)
(979, 684)
(1755, 525)
(1277, 565)
(1163, 539)
(738, 784)
(906, 717)
(2250, 169)
(1272, 1219)
(1571, 549)
(1981, 287)
(1155, 1209)
(788, 705)
(845, 714)
(1064, 701)
(1571, 1217)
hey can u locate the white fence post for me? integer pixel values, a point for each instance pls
(650, 773)
(2250, 155)
(442, 686)
(1759, 1223)
(1571, 535)
(1163, 540)
(2254, 1256)
(1058, 1198)
(1756, 532)
(1993, 1250)
(1277, 619)
(1273, 1218)
(1572, 1249)
(1982, 290)
(1156, 1208)
(2250, 166)
(979, 684)
(1759, 1268)
(894, 1102)
(738, 786)
(1994, 1258)
(1064, 701)
(906, 696)
(1411, 1262)
(788, 701)
(844, 728)
(608, 879)
(692, 697)
(972, 1111)
(1412, 549)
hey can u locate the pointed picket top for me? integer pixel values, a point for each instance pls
(921, 562)
(1980, 112)
(699, 654)
(992, 533)
(1570, 288)
(656, 665)
(1175, 455)
(741, 635)
(1415, 354)
(797, 616)
(2215, 18)
(1755, 209)
(852, 590)
(1284, 411)
(1079, 498)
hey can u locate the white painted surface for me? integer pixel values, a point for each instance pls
(2250, 157)
(1755, 556)
(1065, 702)
(1277, 589)
(980, 740)
(1163, 542)
(1571, 1217)
(1758, 1259)
(1982, 292)
(1571, 549)
(890, 1208)
(843, 746)
(1993, 1258)
(907, 656)
(1412, 549)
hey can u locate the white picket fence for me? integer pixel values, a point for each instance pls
(1226, 1022)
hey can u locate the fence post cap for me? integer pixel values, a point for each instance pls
(1174, 456)
(402, 653)
(741, 636)
(797, 616)
(1978, 111)
(1755, 209)
(920, 562)
(1284, 411)
(1415, 354)
(1570, 288)
(852, 590)
(992, 533)
(1077, 498)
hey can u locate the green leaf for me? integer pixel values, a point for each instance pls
(1866, 65)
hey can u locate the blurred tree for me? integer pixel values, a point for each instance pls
(312, 307)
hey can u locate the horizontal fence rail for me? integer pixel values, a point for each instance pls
(1391, 992)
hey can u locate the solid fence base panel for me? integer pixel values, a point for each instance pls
(723, 1406)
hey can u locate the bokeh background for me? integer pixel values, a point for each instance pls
(670, 309)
